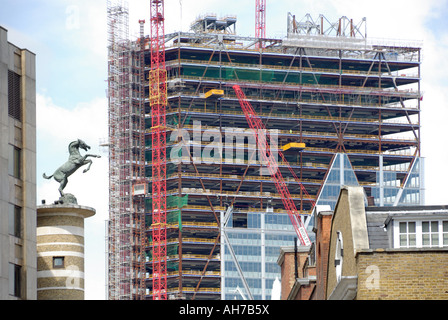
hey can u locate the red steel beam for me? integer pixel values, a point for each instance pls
(257, 126)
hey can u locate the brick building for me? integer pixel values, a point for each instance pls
(370, 253)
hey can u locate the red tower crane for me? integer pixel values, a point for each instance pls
(260, 20)
(158, 101)
(257, 126)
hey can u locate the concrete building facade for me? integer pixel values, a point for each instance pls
(17, 171)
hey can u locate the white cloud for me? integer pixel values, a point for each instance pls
(87, 121)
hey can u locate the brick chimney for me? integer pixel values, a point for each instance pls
(323, 232)
(291, 262)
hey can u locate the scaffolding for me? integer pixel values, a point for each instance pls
(126, 162)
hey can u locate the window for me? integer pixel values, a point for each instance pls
(14, 168)
(421, 234)
(407, 234)
(15, 280)
(15, 220)
(430, 233)
(58, 262)
(14, 106)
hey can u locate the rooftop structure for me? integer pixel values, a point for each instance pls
(352, 106)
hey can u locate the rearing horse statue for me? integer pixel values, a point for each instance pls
(75, 161)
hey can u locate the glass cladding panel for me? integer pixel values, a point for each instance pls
(248, 249)
(411, 191)
(253, 220)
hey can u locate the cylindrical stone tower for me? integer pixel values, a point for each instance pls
(60, 251)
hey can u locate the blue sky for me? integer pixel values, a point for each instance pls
(70, 39)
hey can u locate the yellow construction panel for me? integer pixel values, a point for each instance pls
(214, 93)
(294, 145)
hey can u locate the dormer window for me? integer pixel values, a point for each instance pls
(407, 234)
(421, 234)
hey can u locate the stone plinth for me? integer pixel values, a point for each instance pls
(60, 251)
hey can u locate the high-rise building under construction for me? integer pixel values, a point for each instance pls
(340, 109)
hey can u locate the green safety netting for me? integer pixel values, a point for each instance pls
(172, 121)
(231, 73)
(173, 216)
(171, 202)
(171, 250)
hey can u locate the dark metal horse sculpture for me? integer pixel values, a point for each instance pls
(75, 161)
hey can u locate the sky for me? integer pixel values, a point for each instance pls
(69, 38)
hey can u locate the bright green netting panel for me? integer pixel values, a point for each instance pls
(171, 250)
(174, 120)
(231, 73)
(173, 216)
(172, 266)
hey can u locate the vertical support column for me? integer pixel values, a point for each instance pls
(158, 103)
(341, 169)
(263, 254)
(381, 182)
(223, 253)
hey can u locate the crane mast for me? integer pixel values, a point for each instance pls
(158, 102)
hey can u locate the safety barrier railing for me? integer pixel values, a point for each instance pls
(302, 117)
(343, 102)
(289, 68)
(314, 87)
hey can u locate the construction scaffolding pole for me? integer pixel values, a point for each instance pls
(119, 233)
(158, 101)
(140, 183)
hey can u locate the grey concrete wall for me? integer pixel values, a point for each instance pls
(20, 192)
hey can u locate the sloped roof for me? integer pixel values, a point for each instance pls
(378, 238)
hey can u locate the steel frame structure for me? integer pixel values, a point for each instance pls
(126, 225)
(336, 96)
(119, 250)
(340, 111)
